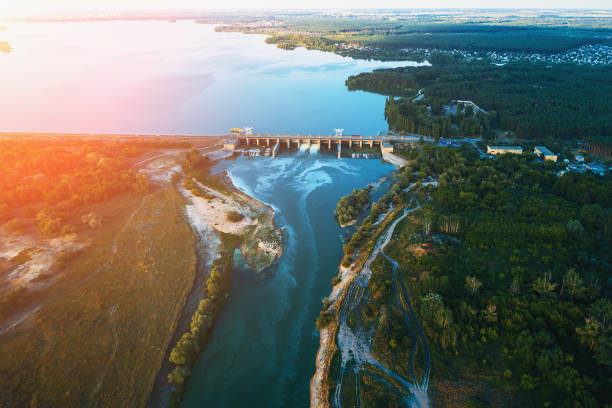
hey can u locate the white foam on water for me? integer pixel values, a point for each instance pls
(310, 179)
(285, 268)
(273, 170)
(241, 185)
(314, 149)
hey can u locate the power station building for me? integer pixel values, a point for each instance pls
(495, 150)
(544, 153)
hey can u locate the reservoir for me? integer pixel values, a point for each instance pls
(160, 77)
(263, 346)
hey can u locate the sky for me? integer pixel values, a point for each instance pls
(44, 6)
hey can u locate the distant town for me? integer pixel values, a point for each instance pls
(593, 54)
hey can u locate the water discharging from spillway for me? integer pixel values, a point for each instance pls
(309, 149)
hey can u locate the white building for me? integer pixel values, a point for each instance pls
(495, 150)
(544, 153)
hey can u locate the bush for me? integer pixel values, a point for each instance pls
(346, 261)
(67, 229)
(234, 216)
(186, 350)
(49, 223)
(179, 375)
(323, 320)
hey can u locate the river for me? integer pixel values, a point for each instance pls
(183, 77)
(262, 350)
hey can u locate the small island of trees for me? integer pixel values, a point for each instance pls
(351, 206)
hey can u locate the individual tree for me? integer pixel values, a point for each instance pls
(234, 216)
(490, 313)
(472, 284)
(200, 323)
(49, 223)
(515, 287)
(574, 227)
(179, 375)
(430, 305)
(185, 350)
(572, 283)
(603, 353)
(589, 334)
(601, 310)
(544, 286)
(528, 383)
(444, 317)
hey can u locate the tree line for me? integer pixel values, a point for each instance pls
(183, 355)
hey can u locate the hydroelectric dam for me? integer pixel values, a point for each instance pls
(232, 141)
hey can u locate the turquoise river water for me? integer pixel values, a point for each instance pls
(263, 347)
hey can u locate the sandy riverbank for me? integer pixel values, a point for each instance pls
(261, 240)
(206, 211)
(319, 391)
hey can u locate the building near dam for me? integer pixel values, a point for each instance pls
(495, 150)
(544, 153)
(230, 144)
(386, 147)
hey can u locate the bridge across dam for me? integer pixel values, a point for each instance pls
(275, 141)
(329, 141)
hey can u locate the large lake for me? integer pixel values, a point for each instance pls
(183, 77)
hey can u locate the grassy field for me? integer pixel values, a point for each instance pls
(100, 334)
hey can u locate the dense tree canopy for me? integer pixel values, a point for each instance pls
(350, 207)
(517, 284)
(533, 100)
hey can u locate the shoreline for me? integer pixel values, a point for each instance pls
(207, 248)
(319, 391)
(208, 230)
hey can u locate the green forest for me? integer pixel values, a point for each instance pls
(406, 116)
(509, 271)
(533, 100)
(389, 40)
(350, 207)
